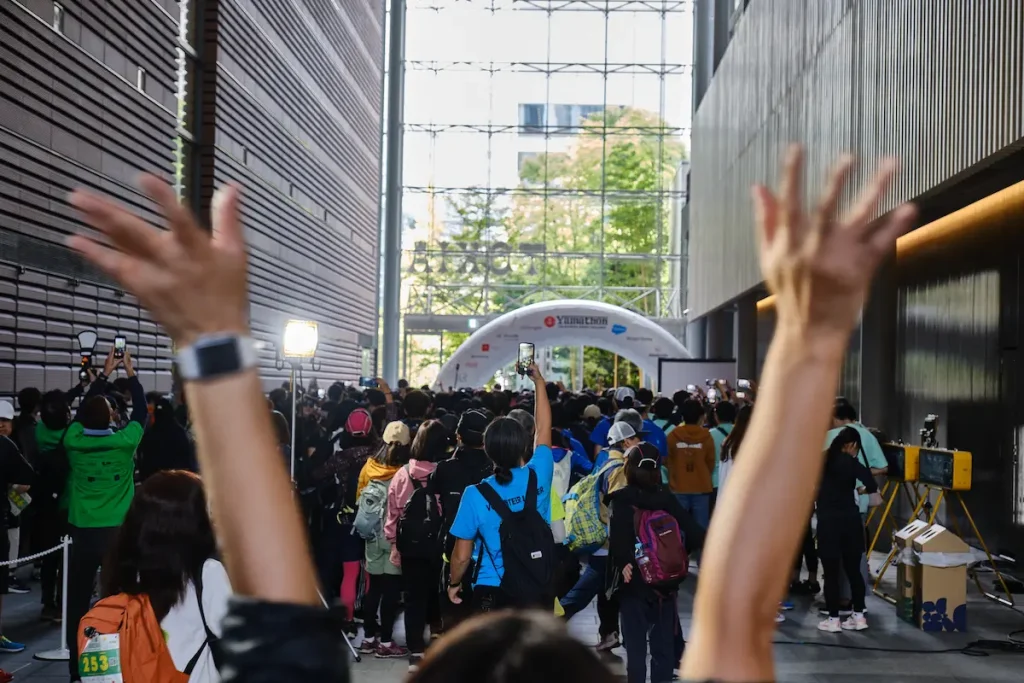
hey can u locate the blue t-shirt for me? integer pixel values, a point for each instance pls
(476, 521)
(600, 434)
(656, 436)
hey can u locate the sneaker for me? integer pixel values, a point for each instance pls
(9, 647)
(369, 646)
(17, 587)
(779, 617)
(609, 642)
(51, 613)
(786, 605)
(813, 587)
(856, 622)
(414, 662)
(831, 625)
(390, 651)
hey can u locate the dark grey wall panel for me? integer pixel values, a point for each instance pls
(298, 122)
(936, 83)
(71, 115)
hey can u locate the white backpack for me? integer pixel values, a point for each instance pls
(369, 521)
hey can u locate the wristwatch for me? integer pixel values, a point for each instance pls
(215, 356)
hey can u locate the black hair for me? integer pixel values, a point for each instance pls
(552, 390)
(164, 541)
(54, 410)
(725, 412)
(28, 400)
(845, 411)
(509, 647)
(644, 396)
(335, 392)
(505, 442)
(606, 406)
(163, 410)
(680, 397)
(663, 408)
(732, 442)
(375, 397)
(558, 415)
(403, 384)
(646, 478)
(416, 404)
(692, 411)
(96, 413)
(846, 436)
(122, 385)
(432, 442)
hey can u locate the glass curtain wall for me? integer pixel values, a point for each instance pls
(542, 141)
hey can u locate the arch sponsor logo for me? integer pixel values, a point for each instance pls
(578, 322)
(618, 329)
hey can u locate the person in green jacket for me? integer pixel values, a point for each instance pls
(101, 485)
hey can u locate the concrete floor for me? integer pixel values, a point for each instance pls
(808, 659)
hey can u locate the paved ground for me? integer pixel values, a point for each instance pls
(811, 656)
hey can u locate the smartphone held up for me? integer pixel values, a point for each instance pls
(120, 343)
(527, 355)
(368, 382)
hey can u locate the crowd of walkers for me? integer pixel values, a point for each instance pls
(466, 508)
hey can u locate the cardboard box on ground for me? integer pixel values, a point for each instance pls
(940, 588)
(907, 607)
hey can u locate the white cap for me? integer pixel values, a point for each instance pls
(623, 393)
(619, 432)
(6, 410)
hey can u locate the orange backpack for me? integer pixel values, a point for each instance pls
(143, 656)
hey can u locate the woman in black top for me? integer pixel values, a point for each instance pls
(646, 613)
(840, 531)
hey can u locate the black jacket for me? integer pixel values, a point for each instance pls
(466, 467)
(622, 505)
(14, 469)
(838, 480)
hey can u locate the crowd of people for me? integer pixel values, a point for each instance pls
(410, 499)
(465, 507)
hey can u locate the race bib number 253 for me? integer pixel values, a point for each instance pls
(100, 662)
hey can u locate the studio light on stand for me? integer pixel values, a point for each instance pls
(86, 345)
(298, 343)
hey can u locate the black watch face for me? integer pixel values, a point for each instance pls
(218, 358)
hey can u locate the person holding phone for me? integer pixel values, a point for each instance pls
(101, 484)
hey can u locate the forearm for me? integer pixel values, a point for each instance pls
(249, 491)
(140, 411)
(776, 474)
(542, 417)
(460, 561)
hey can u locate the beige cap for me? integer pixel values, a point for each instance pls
(397, 432)
(592, 412)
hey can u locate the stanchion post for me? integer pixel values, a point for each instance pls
(61, 654)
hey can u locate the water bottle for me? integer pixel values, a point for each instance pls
(643, 563)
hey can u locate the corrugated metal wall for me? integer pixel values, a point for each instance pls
(295, 110)
(937, 83)
(297, 118)
(71, 115)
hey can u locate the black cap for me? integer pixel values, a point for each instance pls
(472, 421)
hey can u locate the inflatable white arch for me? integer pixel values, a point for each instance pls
(566, 322)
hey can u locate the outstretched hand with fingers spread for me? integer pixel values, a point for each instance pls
(818, 265)
(192, 283)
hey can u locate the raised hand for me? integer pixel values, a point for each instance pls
(192, 283)
(820, 266)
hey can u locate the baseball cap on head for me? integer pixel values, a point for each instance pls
(359, 422)
(472, 421)
(622, 393)
(6, 410)
(619, 432)
(397, 432)
(592, 412)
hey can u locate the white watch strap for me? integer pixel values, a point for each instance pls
(188, 358)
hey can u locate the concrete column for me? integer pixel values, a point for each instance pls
(392, 243)
(703, 48)
(696, 337)
(723, 13)
(745, 337)
(719, 343)
(878, 352)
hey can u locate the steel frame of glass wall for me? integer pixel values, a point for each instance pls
(541, 144)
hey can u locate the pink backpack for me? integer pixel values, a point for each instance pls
(661, 556)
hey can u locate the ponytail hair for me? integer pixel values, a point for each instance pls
(505, 442)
